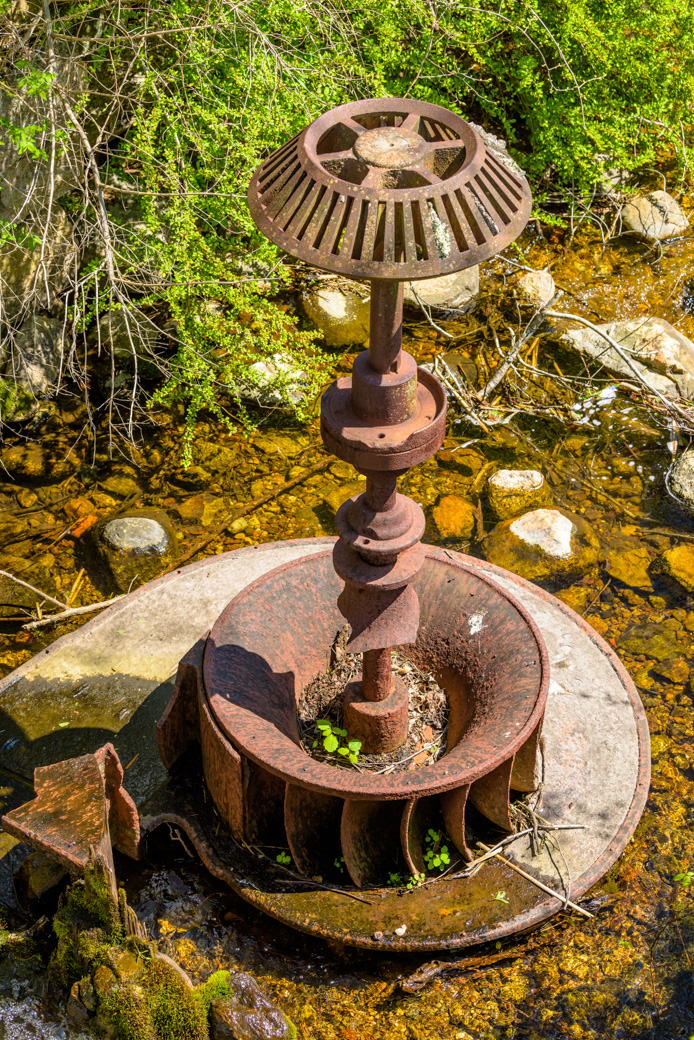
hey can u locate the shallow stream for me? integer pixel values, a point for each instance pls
(629, 972)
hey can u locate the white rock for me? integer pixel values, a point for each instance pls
(536, 287)
(547, 530)
(457, 291)
(517, 481)
(273, 383)
(655, 216)
(661, 354)
(682, 478)
(340, 313)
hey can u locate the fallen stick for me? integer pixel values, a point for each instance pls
(32, 588)
(540, 884)
(72, 612)
(250, 507)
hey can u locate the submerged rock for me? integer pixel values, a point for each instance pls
(678, 563)
(32, 369)
(457, 291)
(536, 288)
(243, 1012)
(340, 312)
(545, 543)
(136, 546)
(628, 562)
(276, 382)
(511, 492)
(682, 478)
(655, 216)
(455, 518)
(653, 640)
(663, 357)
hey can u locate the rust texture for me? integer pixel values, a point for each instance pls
(245, 689)
(81, 809)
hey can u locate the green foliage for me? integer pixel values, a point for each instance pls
(501, 897)
(217, 987)
(283, 858)
(396, 880)
(331, 737)
(574, 86)
(685, 878)
(436, 855)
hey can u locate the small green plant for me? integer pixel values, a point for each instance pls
(416, 880)
(395, 880)
(331, 737)
(685, 878)
(436, 854)
(283, 858)
(501, 897)
(339, 864)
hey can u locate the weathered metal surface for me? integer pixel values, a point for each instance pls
(597, 777)
(260, 655)
(81, 809)
(312, 823)
(380, 725)
(370, 832)
(389, 188)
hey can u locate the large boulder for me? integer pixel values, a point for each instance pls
(457, 291)
(340, 312)
(25, 273)
(663, 356)
(544, 544)
(682, 478)
(655, 216)
(511, 492)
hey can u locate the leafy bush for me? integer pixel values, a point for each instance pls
(184, 99)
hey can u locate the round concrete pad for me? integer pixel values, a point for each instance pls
(111, 680)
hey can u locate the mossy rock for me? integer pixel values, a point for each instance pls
(239, 1010)
(455, 518)
(150, 1000)
(17, 404)
(545, 544)
(335, 498)
(511, 492)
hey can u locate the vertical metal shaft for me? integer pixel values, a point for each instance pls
(376, 681)
(385, 328)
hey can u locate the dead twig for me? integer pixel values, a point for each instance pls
(540, 884)
(71, 612)
(32, 588)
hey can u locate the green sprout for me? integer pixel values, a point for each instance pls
(685, 878)
(331, 737)
(416, 880)
(436, 855)
(339, 864)
(283, 858)
(501, 897)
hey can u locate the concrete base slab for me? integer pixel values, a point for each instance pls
(111, 680)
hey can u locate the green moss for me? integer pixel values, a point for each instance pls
(129, 1014)
(86, 925)
(154, 1005)
(216, 988)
